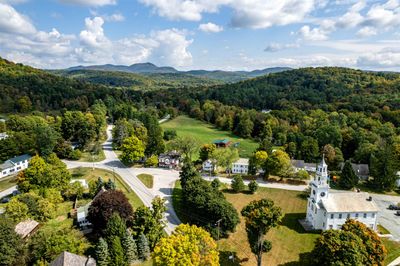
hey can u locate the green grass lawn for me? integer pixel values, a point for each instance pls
(89, 174)
(290, 242)
(8, 182)
(206, 133)
(88, 157)
(146, 179)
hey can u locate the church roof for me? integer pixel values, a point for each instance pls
(349, 202)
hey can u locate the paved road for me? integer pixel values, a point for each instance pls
(164, 180)
(387, 218)
(8, 191)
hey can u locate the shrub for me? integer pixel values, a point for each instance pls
(170, 134)
(237, 184)
(253, 186)
(151, 161)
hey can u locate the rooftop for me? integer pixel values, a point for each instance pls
(20, 158)
(70, 259)
(242, 161)
(349, 202)
(221, 141)
(26, 227)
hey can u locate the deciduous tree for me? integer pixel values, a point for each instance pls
(132, 150)
(261, 216)
(188, 245)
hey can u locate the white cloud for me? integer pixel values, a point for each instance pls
(246, 14)
(93, 35)
(210, 27)
(386, 58)
(53, 49)
(13, 22)
(367, 32)
(115, 17)
(275, 47)
(315, 34)
(90, 2)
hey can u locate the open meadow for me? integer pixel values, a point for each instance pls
(207, 133)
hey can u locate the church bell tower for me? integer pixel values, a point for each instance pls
(320, 186)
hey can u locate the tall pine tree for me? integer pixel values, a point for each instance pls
(102, 254)
(348, 178)
(143, 247)
(129, 245)
(117, 252)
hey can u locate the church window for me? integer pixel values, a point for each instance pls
(371, 226)
(330, 226)
(356, 215)
(323, 225)
(365, 215)
(312, 207)
(340, 216)
(348, 216)
(373, 215)
(324, 214)
(315, 210)
(332, 215)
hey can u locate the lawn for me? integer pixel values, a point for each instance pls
(89, 174)
(207, 133)
(8, 182)
(146, 179)
(289, 241)
(89, 157)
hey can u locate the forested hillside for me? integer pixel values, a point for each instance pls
(311, 88)
(24, 89)
(143, 82)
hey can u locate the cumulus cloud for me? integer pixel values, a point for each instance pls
(13, 22)
(369, 20)
(20, 41)
(386, 58)
(210, 27)
(275, 47)
(90, 2)
(312, 34)
(246, 14)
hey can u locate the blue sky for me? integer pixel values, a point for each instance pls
(202, 34)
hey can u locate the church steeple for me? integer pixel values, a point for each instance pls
(320, 186)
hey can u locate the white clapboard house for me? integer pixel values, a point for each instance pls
(14, 165)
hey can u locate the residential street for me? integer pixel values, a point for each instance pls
(164, 180)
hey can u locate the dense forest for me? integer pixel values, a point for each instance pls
(347, 114)
(150, 81)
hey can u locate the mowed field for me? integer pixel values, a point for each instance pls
(289, 240)
(207, 133)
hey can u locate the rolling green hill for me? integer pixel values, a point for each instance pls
(145, 82)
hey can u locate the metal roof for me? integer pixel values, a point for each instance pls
(349, 202)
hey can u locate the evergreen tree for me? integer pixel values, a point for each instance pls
(117, 252)
(110, 185)
(383, 168)
(143, 247)
(129, 245)
(188, 171)
(348, 179)
(102, 254)
(253, 186)
(99, 184)
(215, 184)
(116, 226)
(237, 184)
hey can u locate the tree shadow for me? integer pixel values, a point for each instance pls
(291, 221)
(230, 258)
(305, 260)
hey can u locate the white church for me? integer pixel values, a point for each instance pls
(330, 210)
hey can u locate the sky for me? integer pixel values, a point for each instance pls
(202, 34)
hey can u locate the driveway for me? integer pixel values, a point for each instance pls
(387, 218)
(164, 180)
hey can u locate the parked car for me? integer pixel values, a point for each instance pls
(5, 200)
(398, 213)
(394, 207)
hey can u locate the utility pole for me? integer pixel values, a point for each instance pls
(218, 224)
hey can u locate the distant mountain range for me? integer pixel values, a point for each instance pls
(149, 69)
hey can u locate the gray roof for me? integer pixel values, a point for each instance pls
(70, 259)
(359, 169)
(7, 164)
(297, 163)
(20, 158)
(349, 202)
